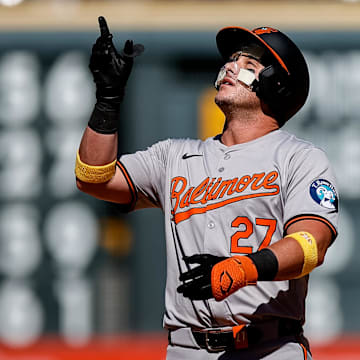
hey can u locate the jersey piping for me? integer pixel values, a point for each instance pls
(130, 184)
(305, 351)
(297, 218)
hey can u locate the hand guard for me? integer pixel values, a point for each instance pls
(110, 69)
(216, 277)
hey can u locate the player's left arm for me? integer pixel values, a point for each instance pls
(292, 253)
(296, 255)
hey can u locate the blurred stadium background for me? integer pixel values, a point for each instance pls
(80, 280)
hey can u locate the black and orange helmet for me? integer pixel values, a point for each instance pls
(284, 82)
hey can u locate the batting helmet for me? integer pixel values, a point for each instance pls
(284, 82)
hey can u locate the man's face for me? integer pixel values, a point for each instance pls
(232, 92)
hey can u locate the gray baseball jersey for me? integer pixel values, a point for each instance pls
(229, 201)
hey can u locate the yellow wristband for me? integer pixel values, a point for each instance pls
(94, 174)
(308, 244)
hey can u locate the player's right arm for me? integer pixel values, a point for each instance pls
(98, 150)
(96, 170)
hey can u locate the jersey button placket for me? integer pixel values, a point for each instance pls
(209, 233)
(221, 167)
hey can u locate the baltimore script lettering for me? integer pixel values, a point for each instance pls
(216, 188)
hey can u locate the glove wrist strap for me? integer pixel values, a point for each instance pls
(266, 264)
(105, 118)
(111, 96)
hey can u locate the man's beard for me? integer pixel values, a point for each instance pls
(232, 102)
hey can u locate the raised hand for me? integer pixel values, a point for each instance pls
(111, 69)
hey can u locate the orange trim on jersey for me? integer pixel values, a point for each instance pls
(181, 216)
(277, 56)
(305, 351)
(311, 217)
(129, 182)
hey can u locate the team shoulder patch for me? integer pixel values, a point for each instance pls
(324, 193)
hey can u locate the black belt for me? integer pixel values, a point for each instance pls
(241, 337)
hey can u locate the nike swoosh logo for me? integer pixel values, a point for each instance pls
(186, 155)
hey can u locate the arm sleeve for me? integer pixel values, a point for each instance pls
(311, 190)
(145, 173)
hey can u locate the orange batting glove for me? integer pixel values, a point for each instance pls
(232, 274)
(216, 277)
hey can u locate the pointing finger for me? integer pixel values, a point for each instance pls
(104, 30)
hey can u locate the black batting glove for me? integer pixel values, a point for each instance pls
(110, 69)
(197, 281)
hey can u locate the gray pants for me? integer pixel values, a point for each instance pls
(286, 348)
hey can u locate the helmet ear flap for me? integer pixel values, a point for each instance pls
(273, 86)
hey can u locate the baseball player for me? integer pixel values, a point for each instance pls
(248, 213)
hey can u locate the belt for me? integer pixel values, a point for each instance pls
(246, 335)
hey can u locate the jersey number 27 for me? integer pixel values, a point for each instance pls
(248, 226)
